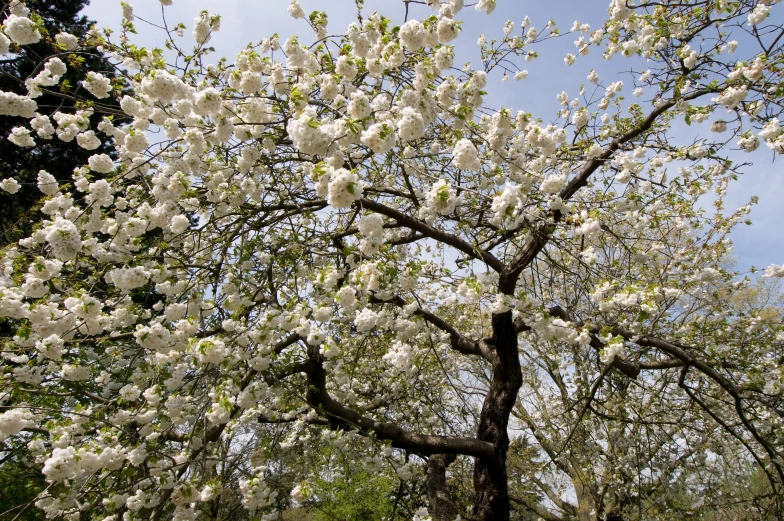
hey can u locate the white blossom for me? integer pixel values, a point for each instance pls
(344, 188)
(466, 155)
(97, 84)
(21, 30)
(10, 185)
(47, 183)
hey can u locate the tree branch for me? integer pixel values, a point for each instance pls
(543, 230)
(442, 507)
(460, 343)
(428, 231)
(536, 508)
(630, 369)
(343, 418)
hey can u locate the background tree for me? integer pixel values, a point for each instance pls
(20, 475)
(56, 156)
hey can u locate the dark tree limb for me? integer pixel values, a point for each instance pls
(344, 418)
(442, 507)
(542, 231)
(438, 235)
(536, 508)
(459, 342)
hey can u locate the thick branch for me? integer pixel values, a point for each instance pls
(630, 369)
(543, 230)
(344, 418)
(536, 508)
(442, 507)
(554, 497)
(428, 231)
(460, 343)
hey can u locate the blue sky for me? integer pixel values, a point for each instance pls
(245, 21)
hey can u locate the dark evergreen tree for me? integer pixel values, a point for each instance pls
(20, 475)
(20, 211)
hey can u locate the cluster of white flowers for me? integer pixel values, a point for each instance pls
(162, 86)
(546, 140)
(447, 29)
(204, 26)
(759, 14)
(379, 137)
(359, 108)
(257, 494)
(441, 199)
(346, 297)
(101, 163)
(400, 356)
(97, 84)
(20, 136)
(773, 135)
(554, 183)
(179, 223)
(208, 102)
(295, 10)
(15, 105)
(466, 155)
(594, 151)
(508, 206)
(10, 185)
(371, 228)
(311, 136)
(590, 227)
(50, 75)
(301, 492)
(64, 238)
(88, 140)
(580, 118)
(211, 351)
(43, 126)
(411, 125)
(412, 34)
(748, 142)
(135, 142)
(127, 11)
(13, 421)
(732, 96)
(445, 57)
(51, 347)
(344, 188)
(21, 29)
(47, 183)
(127, 279)
(611, 350)
(68, 125)
(67, 40)
(366, 319)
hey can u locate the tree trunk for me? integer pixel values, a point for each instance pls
(586, 506)
(490, 480)
(442, 507)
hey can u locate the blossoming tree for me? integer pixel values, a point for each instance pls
(333, 242)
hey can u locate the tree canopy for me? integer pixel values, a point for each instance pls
(330, 279)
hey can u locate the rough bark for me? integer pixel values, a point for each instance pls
(490, 479)
(442, 507)
(586, 506)
(341, 417)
